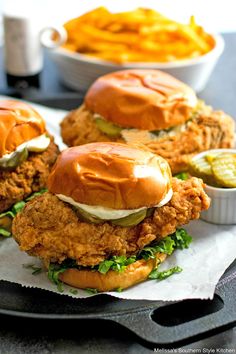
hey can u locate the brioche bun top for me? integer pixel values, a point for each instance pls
(19, 123)
(111, 175)
(142, 99)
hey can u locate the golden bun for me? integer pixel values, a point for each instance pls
(133, 274)
(142, 99)
(19, 123)
(111, 175)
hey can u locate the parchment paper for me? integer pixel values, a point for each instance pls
(213, 249)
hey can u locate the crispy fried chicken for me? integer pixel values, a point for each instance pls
(29, 177)
(208, 130)
(51, 229)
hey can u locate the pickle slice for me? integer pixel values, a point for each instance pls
(108, 128)
(15, 160)
(201, 168)
(127, 221)
(224, 170)
(84, 216)
(131, 220)
(150, 212)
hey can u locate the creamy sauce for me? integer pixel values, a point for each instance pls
(109, 213)
(145, 136)
(133, 135)
(37, 144)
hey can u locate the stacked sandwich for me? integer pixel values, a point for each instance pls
(27, 154)
(111, 215)
(151, 108)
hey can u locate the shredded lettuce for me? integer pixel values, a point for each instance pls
(119, 290)
(167, 246)
(4, 232)
(155, 274)
(182, 175)
(91, 290)
(36, 194)
(179, 239)
(16, 208)
(117, 263)
(36, 270)
(54, 271)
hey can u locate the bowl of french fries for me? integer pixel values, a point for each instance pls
(100, 42)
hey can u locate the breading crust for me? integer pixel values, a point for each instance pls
(50, 229)
(27, 178)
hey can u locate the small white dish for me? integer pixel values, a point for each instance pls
(223, 200)
(78, 71)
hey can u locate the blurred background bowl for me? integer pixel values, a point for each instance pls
(78, 71)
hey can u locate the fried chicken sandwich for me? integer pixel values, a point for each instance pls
(27, 153)
(111, 215)
(151, 108)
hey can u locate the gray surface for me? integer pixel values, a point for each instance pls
(30, 336)
(220, 91)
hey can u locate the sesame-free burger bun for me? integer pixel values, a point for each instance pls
(111, 175)
(133, 274)
(142, 99)
(18, 123)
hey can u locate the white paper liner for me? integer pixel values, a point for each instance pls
(211, 252)
(213, 249)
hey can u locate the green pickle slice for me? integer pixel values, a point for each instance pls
(107, 127)
(224, 170)
(84, 216)
(131, 220)
(17, 158)
(127, 221)
(201, 168)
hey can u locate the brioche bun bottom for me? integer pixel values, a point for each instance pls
(133, 274)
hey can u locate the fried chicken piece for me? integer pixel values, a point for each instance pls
(78, 128)
(50, 229)
(209, 130)
(203, 133)
(29, 177)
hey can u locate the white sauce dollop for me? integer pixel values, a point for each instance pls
(37, 144)
(109, 213)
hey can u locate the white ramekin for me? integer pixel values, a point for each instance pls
(223, 200)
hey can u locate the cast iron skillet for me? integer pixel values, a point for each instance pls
(156, 322)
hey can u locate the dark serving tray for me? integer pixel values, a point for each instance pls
(157, 322)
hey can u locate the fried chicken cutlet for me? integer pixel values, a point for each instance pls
(29, 177)
(41, 232)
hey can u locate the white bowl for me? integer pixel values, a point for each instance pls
(78, 71)
(223, 200)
